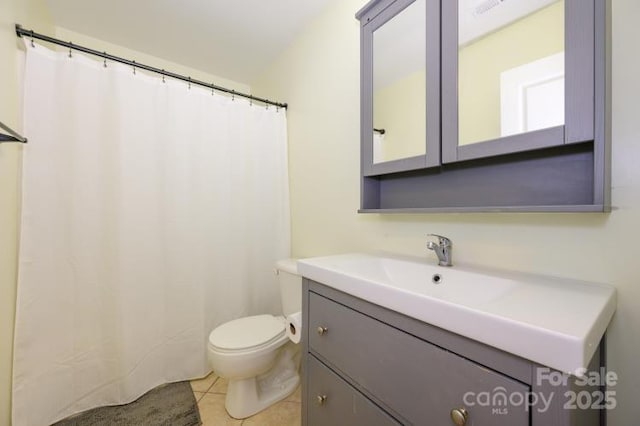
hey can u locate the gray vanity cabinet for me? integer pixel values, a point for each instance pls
(366, 365)
(414, 379)
(335, 402)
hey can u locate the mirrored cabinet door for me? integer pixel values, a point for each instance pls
(401, 86)
(517, 76)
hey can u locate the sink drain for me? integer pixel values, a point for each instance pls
(436, 279)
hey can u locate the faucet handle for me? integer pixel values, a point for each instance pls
(443, 241)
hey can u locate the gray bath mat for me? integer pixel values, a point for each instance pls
(170, 405)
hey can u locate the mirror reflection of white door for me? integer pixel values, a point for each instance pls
(378, 139)
(532, 96)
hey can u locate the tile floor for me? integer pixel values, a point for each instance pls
(210, 393)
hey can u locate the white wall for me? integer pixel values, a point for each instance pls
(319, 77)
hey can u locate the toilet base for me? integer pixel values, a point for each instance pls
(246, 397)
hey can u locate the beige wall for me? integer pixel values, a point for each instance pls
(29, 13)
(400, 109)
(534, 37)
(33, 14)
(100, 45)
(319, 77)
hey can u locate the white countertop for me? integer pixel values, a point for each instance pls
(552, 321)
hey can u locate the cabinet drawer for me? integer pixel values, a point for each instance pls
(341, 404)
(407, 375)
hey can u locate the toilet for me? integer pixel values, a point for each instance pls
(255, 354)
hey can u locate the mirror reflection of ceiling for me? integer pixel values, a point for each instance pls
(404, 34)
(477, 18)
(395, 45)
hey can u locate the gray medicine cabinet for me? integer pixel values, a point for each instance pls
(479, 105)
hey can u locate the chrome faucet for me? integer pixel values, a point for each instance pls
(442, 248)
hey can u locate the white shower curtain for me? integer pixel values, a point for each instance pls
(152, 212)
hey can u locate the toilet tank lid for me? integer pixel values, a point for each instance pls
(288, 265)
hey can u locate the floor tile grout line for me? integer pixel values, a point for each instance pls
(214, 392)
(242, 421)
(212, 384)
(204, 378)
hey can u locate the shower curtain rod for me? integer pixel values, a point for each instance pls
(20, 32)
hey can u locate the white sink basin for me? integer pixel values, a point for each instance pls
(554, 322)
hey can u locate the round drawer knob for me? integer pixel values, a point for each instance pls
(320, 399)
(322, 330)
(459, 416)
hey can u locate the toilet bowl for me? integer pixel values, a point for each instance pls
(255, 355)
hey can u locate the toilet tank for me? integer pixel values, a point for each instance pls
(290, 286)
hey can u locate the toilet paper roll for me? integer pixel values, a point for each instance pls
(294, 327)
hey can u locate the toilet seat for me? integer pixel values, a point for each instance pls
(247, 334)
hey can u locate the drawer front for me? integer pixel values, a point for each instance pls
(332, 401)
(416, 380)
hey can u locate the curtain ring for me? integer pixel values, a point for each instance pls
(70, 47)
(267, 104)
(105, 59)
(163, 77)
(32, 43)
(213, 92)
(134, 67)
(189, 83)
(233, 95)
